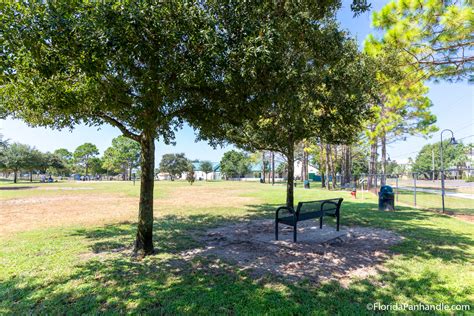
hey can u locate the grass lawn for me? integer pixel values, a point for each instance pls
(433, 201)
(60, 253)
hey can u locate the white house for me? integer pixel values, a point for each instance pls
(299, 168)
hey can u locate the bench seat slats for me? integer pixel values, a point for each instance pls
(309, 215)
(310, 210)
(288, 220)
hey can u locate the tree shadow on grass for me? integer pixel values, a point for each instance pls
(423, 238)
(172, 233)
(206, 286)
(170, 284)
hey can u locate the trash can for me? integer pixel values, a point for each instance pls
(386, 198)
(306, 184)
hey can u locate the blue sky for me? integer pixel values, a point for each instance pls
(453, 106)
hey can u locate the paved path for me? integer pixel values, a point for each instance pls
(447, 193)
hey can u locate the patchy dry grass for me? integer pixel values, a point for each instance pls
(79, 204)
(31, 213)
(64, 250)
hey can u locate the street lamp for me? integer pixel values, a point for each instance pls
(452, 141)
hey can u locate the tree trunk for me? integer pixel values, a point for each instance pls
(291, 173)
(331, 166)
(321, 163)
(14, 176)
(130, 171)
(372, 164)
(144, 240)
(31, 176)
(383, 178)
(263, 166)
(87, 168)
(328, 173)
(304, 166)
(343, 164)
(273, 168)
(348, 163)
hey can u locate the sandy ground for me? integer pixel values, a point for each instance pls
(42, 211)
(203, 197)
(17, 215)
(319, 255)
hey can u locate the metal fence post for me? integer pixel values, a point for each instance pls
(414, 191)
(376, 184)
(442, 189)
(396, 187)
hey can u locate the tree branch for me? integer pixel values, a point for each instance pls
(114, 122)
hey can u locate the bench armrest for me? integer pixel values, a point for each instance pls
(289, 209)
(337, 205)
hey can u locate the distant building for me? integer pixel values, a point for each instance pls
(214, 175)
(200, 175)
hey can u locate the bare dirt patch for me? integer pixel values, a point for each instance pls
(319, 255)
(203, 197)
(465, 217)
(91, 208)
(17, 188)
(66, 188)
(17, 215)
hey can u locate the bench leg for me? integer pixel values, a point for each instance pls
(276, 230)
(337, 222)
(321, 222)
(294, 233)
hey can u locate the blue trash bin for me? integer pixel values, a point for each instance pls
(386, 198)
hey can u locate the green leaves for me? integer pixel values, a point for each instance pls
(174, 164)
(401, 106)
(235, 164)
(429, 156)
(432, 35)
(122, 155)
(84, 154)
(16, 157)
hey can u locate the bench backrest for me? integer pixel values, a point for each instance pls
(328, 206)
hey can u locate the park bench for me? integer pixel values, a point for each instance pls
(306, 211)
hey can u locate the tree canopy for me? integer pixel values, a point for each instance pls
(123, 155)
(16, 157)
(174, 164)
(235, 164)
(83, 155)
(454, 156)
(434, 35)
(319, 86)
(147, 66)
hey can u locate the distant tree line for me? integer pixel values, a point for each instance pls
(120, 158)
(16, 158)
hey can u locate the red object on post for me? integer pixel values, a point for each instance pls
(354, 193)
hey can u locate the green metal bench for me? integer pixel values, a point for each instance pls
(306, 211)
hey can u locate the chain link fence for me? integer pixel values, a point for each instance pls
(418, 191)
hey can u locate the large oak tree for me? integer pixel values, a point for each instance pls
(318, 85)
(145, 67)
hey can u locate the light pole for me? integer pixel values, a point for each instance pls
(452, 141)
